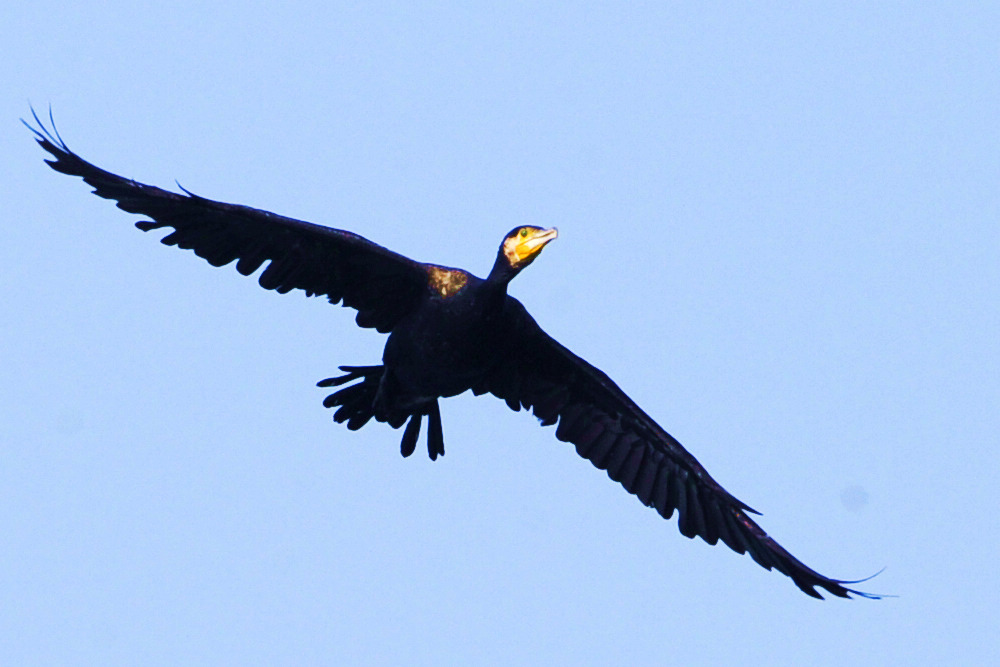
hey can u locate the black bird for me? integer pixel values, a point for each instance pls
(449, 332)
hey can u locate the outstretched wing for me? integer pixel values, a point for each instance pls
(380, 284)
(611, 431)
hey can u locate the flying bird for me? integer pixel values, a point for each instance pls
(450, 332)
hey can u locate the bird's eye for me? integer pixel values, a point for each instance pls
(524, 233)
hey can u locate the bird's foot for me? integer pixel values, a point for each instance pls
(357, 401)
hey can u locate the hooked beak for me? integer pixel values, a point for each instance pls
(533, 245)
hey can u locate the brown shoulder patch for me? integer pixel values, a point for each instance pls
(446, 282)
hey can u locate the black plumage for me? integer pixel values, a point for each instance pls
(449, 332)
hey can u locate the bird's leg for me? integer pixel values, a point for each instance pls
(435, 434)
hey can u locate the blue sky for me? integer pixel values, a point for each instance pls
(778, 233)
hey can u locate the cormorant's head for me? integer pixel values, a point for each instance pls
(523, 244)
(519, 248)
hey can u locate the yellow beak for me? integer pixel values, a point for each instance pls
(533, 244)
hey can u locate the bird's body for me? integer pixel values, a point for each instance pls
(446, 344)
(448, 341)
(450, 332)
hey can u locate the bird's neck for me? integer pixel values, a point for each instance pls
(502, 272)
(500, 276)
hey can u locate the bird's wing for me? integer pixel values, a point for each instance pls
(380, 284)
(614, 433)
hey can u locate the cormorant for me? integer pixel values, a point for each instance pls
(449, 332)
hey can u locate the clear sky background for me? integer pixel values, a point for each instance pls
(778, 233)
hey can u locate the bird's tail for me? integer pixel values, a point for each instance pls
(356, 405)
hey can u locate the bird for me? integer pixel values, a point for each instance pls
(449, 332)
